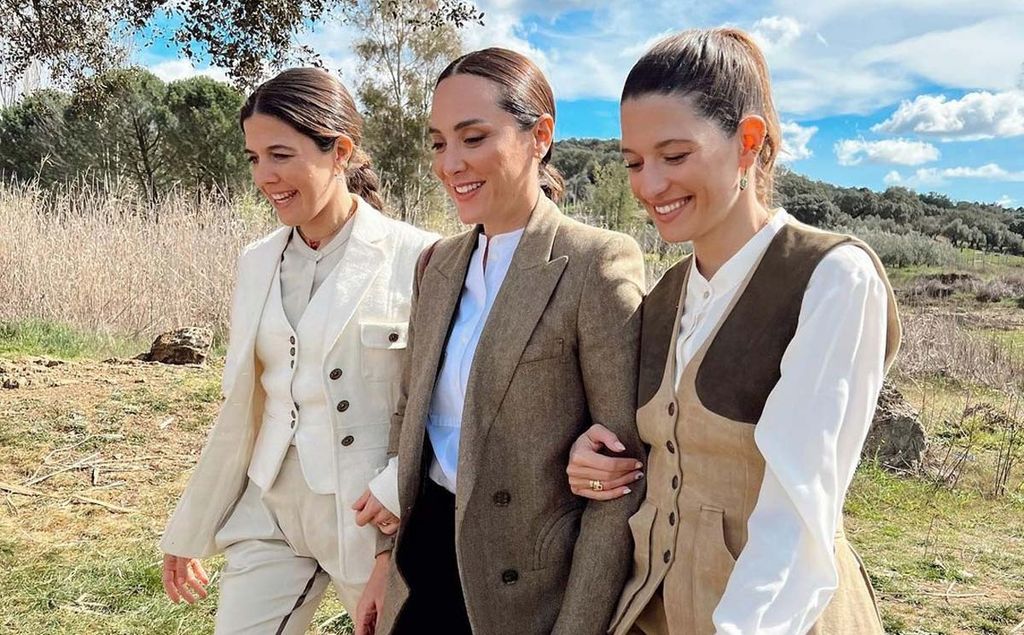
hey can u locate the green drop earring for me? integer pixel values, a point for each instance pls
(743, 181)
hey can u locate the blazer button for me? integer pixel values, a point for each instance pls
(672, 409)
(671, 447)
(349, 440)
(342, 405)
(291, 340)
(336, 374)
(393, 337)
(502, 498)
(667, 556)
(509, 576)
(675, 482)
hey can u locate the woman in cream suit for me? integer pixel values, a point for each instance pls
(524, 331)
(318, 328)
(762, 357)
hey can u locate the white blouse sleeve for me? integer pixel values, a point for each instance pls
(810, 434)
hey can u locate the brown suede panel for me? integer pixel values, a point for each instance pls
(659, 313)
(742, 365)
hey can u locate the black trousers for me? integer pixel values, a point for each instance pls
(427, 560)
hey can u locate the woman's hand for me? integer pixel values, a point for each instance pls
(184, 579)
(372, 600)
(370, 510)
(596, 476)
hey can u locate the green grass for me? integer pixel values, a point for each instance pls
(48, 339)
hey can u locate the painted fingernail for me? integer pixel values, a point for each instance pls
(638, 465)
(626, 490)
(639, 475)
(620, 447)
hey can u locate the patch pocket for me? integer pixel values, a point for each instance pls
(539, 351)
(382, 347)
(712, 565)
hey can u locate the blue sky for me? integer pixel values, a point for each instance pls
(920, 93)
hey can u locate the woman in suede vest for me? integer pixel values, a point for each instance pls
(762, 356)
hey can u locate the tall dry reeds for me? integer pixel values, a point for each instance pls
(97, 257)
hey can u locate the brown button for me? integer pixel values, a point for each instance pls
(293, 414)
(293, 363)
(291, 340)
(672, 518)
(349, 440)
(675, 482)
(667, 556)
(509, 576)
(393, 337)
(342, 405)
(671, 447)
(293, 424)
(671, 409)
(336, 373)
(292, 352)
(502, 498)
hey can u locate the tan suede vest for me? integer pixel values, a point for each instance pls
(704, 471)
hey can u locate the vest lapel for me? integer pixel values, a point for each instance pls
(660, 321)
(528, 285)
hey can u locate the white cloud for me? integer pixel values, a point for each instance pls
(794, 141)
(978, 115)
(776, 31)
(1005, 201)
(173, 70)
(895, 151)
(938, 176)
(893, 178)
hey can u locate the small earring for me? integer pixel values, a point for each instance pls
(743, 181)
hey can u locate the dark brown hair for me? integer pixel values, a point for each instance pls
(524, 93)
(725, 75)
(317, 105)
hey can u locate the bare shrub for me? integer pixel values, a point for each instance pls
(95, 256)
(940, 344)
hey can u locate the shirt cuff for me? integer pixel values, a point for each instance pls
(384, 487)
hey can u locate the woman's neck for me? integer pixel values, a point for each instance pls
(722, 242)
(329, 221)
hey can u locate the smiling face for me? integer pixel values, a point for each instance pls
(292, 172)
(487, 163)
(682, 167)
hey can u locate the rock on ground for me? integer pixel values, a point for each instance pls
(189, 345)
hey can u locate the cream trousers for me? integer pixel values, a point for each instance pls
(282, 552)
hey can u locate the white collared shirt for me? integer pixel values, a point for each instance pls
(810, 433)
(303, 269)
(444, 424)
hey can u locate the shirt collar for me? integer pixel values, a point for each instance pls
(299, 247)
(732, 273)
(501, 246)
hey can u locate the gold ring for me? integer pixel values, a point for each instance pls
(384, 523)
(597, 486)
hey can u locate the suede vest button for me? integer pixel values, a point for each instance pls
(672, 519)
(675, 482)
(672, 409)
(667, 556)
(502, 498)
(671, 447)
(509, 576)
(342, 405)
(349, 440)
(336, 374)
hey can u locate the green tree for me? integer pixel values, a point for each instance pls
(76, 39)
(612, 199)
(399, 62)
(203, 141)
(32, 133)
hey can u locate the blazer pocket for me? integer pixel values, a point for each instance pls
(382, 346)
(539, 351)
(558, 526)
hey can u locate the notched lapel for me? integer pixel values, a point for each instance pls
(658, 324)
(531, 279)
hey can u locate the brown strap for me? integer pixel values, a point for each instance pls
(421, 264)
